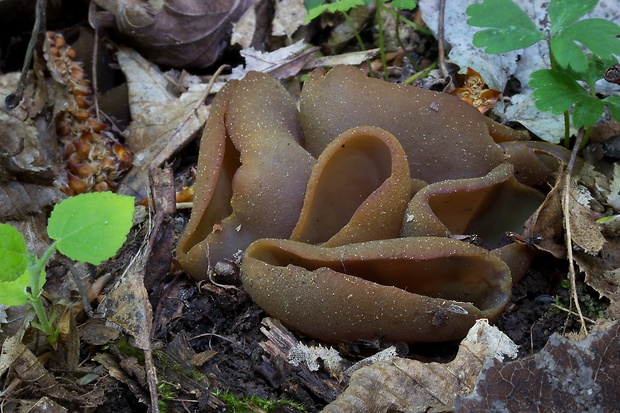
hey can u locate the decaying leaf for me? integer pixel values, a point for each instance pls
(412, 386)
(566, 375)
(474, 91)
(127, 305)
(27, 148)
(162, 121)
(496, 69)
(18, 200)
(584, 231)
(613, 194)
(177, 33)
(44, 404)
(545, 225)
(282, 63)
(290, 15)
(278, 345)
(344, 32)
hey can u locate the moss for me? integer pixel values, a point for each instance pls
(249, 403)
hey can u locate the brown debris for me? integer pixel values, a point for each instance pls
(93, 159)
(573, 376)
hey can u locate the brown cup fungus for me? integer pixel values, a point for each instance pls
(339, 250)
(403, 289)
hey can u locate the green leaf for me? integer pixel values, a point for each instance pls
(311, 4)
(91, 227)
(564, 12)
(555, 91)
(598, 35)
(339, 6)
(14, 293)
(595, 70)
(509, 27)
(404, 4)
(14, 255)
(588, 109)
(614, 106)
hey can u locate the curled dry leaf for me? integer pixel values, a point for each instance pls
(128, 306)
(177, 33)
(18, 199)
(584, 230)
(566, 375)
(27, 149)
(280, 64)
(413, 386)
(162, 121)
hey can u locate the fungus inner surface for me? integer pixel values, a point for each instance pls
(463, 277)
(354, 171)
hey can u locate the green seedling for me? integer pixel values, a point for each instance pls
(570, 82)
(89, 228)
(316, 7)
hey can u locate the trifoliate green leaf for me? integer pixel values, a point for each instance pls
(14, 293)
(404, 4)
(509, 27)
(595, 70)
(555, 91)
(14, 255)
(338, 6)
(614, 106)
(598, 35)
(564, 12)
(311, 4)
(91, 227)
(588, 109)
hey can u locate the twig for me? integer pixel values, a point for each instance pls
(571, 312)
(440, 34)
(12, 100)
(94, 65)
(569, 241)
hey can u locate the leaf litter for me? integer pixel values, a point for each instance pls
(166, 118)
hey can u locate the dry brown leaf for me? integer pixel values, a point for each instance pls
(18, 200)
(603, 273)
(127, 305)
(546, 224)
(95, 332)
(280, 64)
(44, 404)
(343, 33)
(177, 33)
(162, 121)
(27, 149)
(290, 15)
(566, 375)
(413, 386)
(253, 26)
(584, 230)
(350, 59)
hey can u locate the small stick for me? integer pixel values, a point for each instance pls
(440, 34)
(569, 241)
(13, 100)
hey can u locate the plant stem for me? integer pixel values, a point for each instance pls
(36, 290)
(401, 44)
(566, 130)
(360, 42)
(381, 42)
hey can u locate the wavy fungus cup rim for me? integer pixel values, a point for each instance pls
(255, 170)
(390, 289)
